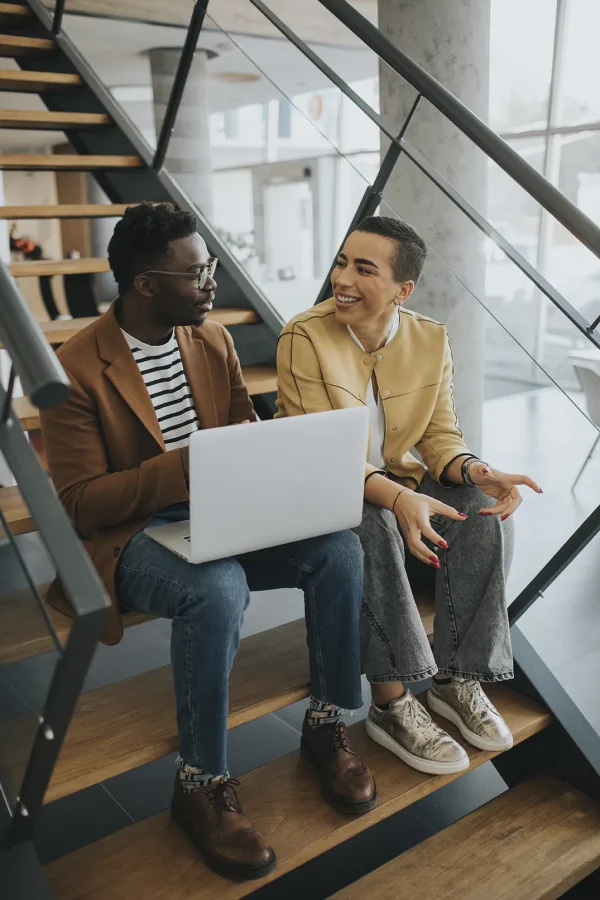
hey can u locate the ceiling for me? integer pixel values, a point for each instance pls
(117, 51)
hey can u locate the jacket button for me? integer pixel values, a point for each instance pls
(393, 459)
(366, 362)
(387, 393)
(116, 551)
(379, 356)
(393, 428)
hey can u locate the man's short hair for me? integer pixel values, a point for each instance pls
(411, 249)
(141, 239)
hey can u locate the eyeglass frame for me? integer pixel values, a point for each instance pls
(208, 270)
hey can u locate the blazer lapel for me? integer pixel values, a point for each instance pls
(124, 375)
(197, 370)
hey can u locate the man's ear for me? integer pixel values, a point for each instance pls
(143, 285)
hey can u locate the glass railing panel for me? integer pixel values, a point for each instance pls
(563, 626)
(25, 676)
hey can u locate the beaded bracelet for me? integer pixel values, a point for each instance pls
(464, 470)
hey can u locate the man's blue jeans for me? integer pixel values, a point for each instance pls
(206, 603)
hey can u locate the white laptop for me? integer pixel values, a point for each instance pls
(269, 483)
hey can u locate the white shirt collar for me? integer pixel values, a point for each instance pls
(390, 337)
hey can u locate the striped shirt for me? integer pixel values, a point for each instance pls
(162, 370)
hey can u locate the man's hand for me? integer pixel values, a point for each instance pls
(413, 512)
(502, 487)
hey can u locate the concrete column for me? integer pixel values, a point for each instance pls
(189, 154)
(449, 38)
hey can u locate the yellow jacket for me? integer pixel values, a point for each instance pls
(320, 367)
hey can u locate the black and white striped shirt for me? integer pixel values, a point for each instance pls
(162, 370)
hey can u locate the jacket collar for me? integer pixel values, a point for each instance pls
(123, 373)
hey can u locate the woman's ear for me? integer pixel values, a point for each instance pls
(404, 292)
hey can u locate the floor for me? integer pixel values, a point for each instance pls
(540, 432)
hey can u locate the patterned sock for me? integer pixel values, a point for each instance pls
(321, 713)
(191, 778)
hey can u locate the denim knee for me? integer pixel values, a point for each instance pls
(343, 551)
(217, 589)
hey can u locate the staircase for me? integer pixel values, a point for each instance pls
(535, 841)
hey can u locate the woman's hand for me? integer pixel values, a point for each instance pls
(502, 487)
(413, 512)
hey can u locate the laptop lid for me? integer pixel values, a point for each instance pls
(269, 483)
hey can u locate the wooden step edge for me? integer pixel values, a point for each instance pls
(15, 9)
(501, 845)
(20, 81)
(37, 267)
(132, 722)
(283, 802)
(23, 631)
(65, 211)
(51, 121)
(25, 162)
(17, 45)
(18, 517)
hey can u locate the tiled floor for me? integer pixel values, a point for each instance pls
(541, 433)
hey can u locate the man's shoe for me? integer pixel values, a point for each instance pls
(345, 781)
(407, 730)
(223, 837)
(463, 702)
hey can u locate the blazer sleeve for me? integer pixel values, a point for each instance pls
(442, 440)
(94, 497)
(240, 404)
(301, 388)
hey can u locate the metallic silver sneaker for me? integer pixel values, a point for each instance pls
(407, 730)
(463, 702)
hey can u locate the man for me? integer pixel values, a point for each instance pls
(145, 376)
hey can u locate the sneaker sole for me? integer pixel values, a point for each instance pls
(233, 871)
(428, 766)
(341, 806)
(443, 709)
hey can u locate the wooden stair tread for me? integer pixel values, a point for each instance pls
(154, 859)
(535, 841)
(17, 515)
(23, 631)
(36, 82)
(64, 210)
(13, 14)
(132, 722)
(258, 382)
(260, 379)
(17, 45)
(22, 162)
(60, 331)
(36, 267)
(44, 119)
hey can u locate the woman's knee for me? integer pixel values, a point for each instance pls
(378, 529)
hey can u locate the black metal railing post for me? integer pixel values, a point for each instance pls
(179, 83)
(58, 16)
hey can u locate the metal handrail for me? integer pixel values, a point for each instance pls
(42, 376)
(545, 193)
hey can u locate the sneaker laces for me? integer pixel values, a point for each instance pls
(416, 718)
(470, 691)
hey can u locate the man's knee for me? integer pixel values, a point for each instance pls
(217, 589)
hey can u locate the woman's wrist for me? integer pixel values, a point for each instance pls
(402, 490)
(467, 464)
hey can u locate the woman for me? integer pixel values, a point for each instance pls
(362, 347)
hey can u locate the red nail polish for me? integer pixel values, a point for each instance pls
(443, 545)
(505, 517)
(463, 515)
(485, 470)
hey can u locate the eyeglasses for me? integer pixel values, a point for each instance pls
(207, 270)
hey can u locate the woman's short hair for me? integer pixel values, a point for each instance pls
(411, 249)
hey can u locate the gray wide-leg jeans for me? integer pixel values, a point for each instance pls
(471, 633)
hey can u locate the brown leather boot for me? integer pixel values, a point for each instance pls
(223, 837)
(345, 781)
